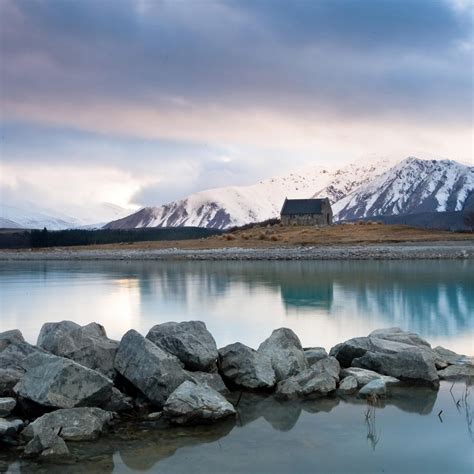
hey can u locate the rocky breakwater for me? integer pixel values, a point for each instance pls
(76, 382)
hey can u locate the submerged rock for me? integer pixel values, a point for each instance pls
(189, 341)
(286, 353)
(313, 354)
(7, 405)
(246, 367)
(74, 424)
(150, 369)
(56, 382)
(375, 387)
(193, 403)
(364, 376)
(87, 345)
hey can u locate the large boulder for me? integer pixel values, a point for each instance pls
(364, 376)
(406, 362)
(286, 353)
(56, 382)
(14, 336)
(51, 333)
(74, 424)
(246, 367)
(398, 335)
(189, 341)
(154, 372)
(193, 403)
(308, 384)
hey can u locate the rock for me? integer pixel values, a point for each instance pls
(451, 358)
(403, 361)
(7, 405)
(10, 427)
(13, 336)
(348, 386)
(87, 345)
(118, 402)
(397, 335)
(246, 367)
(56, 382)
(73, 424)
(193, 403)
(313, 354)
(329, 366)
(48, 445)
(211, 380)
(375, 387)
(154, 416)
(308, 384)
(458, 372)
(286, 353)
(150, 369)
(364, 376)
(51, 333)
(189, 341)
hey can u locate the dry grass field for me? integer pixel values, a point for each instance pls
(281, 236)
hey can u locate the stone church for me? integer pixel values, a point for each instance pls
(306, 212)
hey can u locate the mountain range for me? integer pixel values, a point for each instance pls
(356, 191)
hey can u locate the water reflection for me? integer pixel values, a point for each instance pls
(324, 302)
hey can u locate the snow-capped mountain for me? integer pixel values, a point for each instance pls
(237, 205)
(412, 186)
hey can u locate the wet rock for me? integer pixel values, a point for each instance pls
(348, 386)
(48, 445)
(364, 376)
(246, 367)
(56, 382)
(74, 424)
(7, 405)
(150, 369)
(213, 380)
(375, 387)
(329, 366)
(286, 353)
(458, 372)
(313, 354)
(118, 402)
(308, 384)
(87, 345)
(51, 333)
(13, 336)
(193, 403)
(189, 341)
(10, 427)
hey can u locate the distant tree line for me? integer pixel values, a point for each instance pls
(65, 238)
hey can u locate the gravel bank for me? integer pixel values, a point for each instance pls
(395, 251)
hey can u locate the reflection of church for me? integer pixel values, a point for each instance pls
(308, 294)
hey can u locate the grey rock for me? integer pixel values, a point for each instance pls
(73, 424)
(87, 345)
(211, 380)
(246, 367)
(7, 405)
(189, 341)
(153, 371)
(404, 361)
(375, 387)
(10, 427)
(193, 403)
(286, 353)
(118, 402)
(313, 354)
(364, 376)
(329, 366)
(51, 333)
(48, 445)
(348, 386)
(308, 384)
(154, 416)
(56, 382)
(458, 372)
(13, 336)
(397, 335)
(451, 358)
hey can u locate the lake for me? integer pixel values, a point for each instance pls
(416, 431)
(323, 302)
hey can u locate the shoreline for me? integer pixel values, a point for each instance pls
(444, 250)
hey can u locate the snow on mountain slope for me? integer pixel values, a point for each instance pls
(412, 186)
(237, 205)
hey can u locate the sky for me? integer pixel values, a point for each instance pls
(140, 102)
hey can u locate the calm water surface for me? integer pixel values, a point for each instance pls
(323, 302)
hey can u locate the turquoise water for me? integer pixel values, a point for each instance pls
(323, 302)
